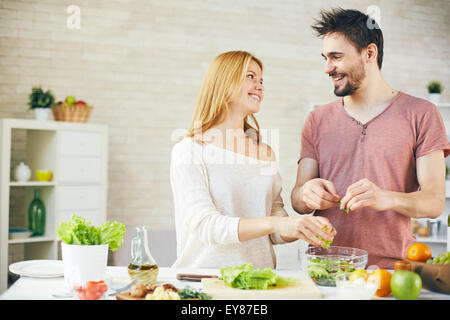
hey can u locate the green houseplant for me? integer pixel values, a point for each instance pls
(41, 102)
(434, 91)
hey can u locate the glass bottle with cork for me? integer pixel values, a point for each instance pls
(142, 268)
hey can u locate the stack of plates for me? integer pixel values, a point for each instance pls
(19, 233)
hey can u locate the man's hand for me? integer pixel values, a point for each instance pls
(364, 193)
(319, 194)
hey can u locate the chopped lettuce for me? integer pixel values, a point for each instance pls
(327, 242)
(346, 210)
(324, 271)
(247, 278)
(317, 271)
(78, 231)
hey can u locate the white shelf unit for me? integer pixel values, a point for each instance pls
(77, 154)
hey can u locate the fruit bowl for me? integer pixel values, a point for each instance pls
(354, 288)
(324, 264)
(75, 112)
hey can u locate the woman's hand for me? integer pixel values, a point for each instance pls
(307, 228)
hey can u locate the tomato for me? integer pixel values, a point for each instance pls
(93, 290)
(419, 252)
(77, 288)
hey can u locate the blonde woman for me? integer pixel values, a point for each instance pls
(228, 206)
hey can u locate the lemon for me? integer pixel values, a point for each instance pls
(357, 274)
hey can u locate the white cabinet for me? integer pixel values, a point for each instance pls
(79, 144)
(75, 169)
(78, 198)
(76, 153)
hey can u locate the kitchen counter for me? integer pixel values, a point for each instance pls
(27, 288)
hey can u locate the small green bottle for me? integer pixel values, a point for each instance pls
(36, 215)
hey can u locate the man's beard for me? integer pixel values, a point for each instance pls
(354, 79)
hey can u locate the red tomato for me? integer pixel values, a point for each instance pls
(77, 288)
(93, 290)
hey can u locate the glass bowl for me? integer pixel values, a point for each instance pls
(355, 289)
(324, 264)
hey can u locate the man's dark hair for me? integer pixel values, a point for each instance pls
(359, 28)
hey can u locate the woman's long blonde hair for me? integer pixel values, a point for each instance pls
(222, 80)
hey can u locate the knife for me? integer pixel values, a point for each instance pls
(193, 277)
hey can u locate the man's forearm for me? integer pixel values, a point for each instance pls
(297, 203)
(419, 204)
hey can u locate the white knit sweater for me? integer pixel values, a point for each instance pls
(212, 188)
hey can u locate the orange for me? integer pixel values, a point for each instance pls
(419, 252)
(384, 278)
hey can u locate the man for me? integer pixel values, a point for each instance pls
(370, 151)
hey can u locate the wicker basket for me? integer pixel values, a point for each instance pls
(71, 113)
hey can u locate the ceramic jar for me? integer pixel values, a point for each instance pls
(22, 172)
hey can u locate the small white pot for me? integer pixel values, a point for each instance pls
(22, 172)
(84, 263)
(42, 114)
(434, 97)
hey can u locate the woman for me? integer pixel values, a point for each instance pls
(228, 206)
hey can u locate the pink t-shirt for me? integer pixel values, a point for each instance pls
(384, 151)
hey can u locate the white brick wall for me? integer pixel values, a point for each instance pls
(140, 65)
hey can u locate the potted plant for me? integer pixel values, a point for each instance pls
(434, 90)
(41, 102)
(84, 250)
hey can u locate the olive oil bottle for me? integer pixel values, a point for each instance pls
(142, 268)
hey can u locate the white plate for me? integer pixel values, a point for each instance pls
(38, 268)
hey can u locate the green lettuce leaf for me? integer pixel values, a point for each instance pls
(327, 242)
(247, 278)
(78, 231)
(111, 233)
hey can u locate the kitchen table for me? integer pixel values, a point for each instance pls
(29, 288)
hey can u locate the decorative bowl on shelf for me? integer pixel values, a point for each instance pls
(43, 175)
(19, 234)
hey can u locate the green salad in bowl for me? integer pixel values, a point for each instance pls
(323, 264)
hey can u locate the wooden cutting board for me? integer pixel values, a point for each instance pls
(305, 289)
